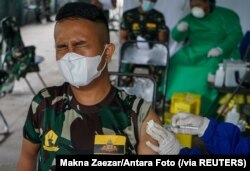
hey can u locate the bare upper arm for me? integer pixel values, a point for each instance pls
(144, 137)
(123, 36)
(27, 160)
(163, 36)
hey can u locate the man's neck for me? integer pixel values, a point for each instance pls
(93, 93)
(141, 10)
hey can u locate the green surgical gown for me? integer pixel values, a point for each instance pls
(190, 66)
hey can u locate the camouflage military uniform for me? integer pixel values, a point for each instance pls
(17, 58)
(147, 25)
(63, 126)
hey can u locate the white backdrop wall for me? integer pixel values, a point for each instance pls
(174, 10)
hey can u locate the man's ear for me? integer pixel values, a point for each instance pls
(110, 50)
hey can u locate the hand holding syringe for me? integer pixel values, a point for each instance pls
(187, 123)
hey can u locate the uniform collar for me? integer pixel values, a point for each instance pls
(93, 108)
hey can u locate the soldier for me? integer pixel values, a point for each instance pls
(143, 21)
(46, 6)
(73, 117)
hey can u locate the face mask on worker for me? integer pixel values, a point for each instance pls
(80, 70)
(198, 12)
(147, 5)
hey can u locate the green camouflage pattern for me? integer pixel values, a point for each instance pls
(147, 25)
(63, 126)
(17, 59)
(6, 83)
(20, 61)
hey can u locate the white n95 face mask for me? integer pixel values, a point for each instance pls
(198, 12)
(80, 70)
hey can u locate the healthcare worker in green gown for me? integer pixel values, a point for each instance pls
(211, 34)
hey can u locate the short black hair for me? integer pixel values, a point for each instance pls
(81, 10)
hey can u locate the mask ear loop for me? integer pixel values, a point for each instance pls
(104, 66)
(104, 50)
(106, 61)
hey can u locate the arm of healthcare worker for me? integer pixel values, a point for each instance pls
(167, 142)
(181, 31)
(231, 29)
(219, 137)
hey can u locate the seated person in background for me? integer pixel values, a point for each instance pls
(69, 119)
(212, 35)
(144, 23)
(219, 137)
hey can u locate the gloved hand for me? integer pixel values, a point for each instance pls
(195, 125)
(182, 26)
(214, 52)
(168, 144)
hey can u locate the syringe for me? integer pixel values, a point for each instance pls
(181, 127)
(188, 127)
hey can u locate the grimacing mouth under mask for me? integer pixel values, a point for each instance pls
(79, 70)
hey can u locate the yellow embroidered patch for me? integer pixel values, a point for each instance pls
(135, 26)
(151, 25)
(110, 144)
(50, 140)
